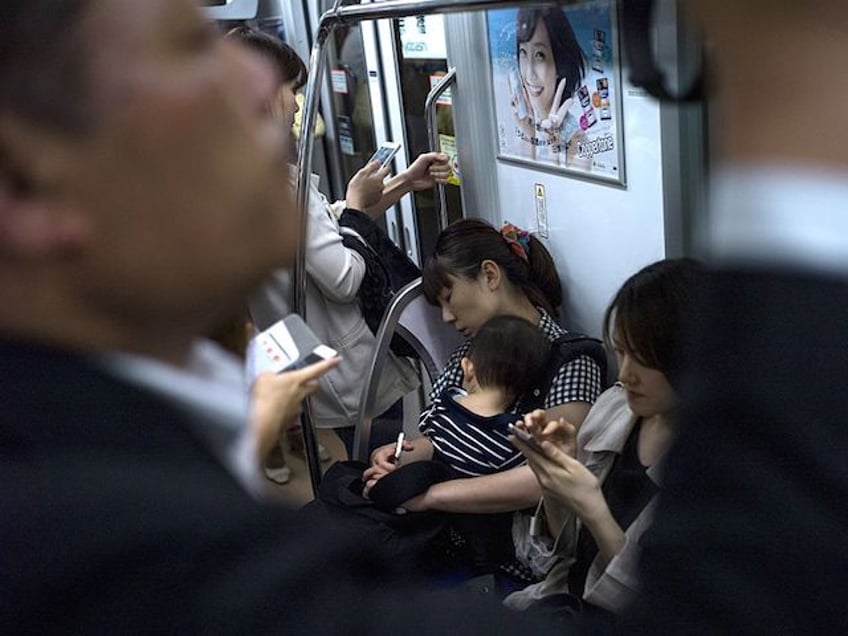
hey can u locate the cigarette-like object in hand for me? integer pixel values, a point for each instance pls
(398, 448)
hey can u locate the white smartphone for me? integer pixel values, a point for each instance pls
(386, 152)
(287, 345)
(398, 448)
(525, 437)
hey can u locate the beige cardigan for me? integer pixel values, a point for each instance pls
(332, 310)
(601, 439)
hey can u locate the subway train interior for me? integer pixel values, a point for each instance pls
(631, 194)
(423, 317)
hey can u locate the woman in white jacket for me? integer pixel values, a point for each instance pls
(334, 271)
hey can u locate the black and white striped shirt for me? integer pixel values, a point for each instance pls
(471, 444)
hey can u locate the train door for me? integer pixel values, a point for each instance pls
(354, 99)
(414, 60)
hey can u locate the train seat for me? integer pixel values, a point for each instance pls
(420, 324)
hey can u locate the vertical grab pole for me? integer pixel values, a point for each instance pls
(304, 165)
(433, 135)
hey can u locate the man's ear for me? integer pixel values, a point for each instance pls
(491, 274)
(35, 217)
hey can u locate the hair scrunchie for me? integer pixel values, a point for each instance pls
(517, 239)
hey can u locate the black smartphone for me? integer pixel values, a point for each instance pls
(525, 437)
(287, 345)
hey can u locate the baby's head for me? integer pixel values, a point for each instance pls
(507, 353)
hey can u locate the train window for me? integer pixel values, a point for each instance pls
(355, 139)
(422, 61)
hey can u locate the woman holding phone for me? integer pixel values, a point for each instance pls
(595, 507)
(335, 272)
(478, 272)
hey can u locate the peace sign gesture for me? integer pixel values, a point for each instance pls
(558, 111)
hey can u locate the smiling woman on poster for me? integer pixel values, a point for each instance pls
(551, 66)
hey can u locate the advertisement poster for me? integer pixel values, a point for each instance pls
(447, 144)
(556, 83)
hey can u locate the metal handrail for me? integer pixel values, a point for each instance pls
(335, 17)
(433, 136)
(383, 338)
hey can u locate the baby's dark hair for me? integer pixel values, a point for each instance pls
(509, 353)
(284, 58)
(463, 246)
(647, 314)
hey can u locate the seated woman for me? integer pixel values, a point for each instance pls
(478, 272)
(595, 508)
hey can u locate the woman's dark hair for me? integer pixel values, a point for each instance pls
(647, 314)
(510, 353)
(568, 56)
(281, 55)
(463, 246)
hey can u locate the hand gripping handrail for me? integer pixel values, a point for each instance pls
(433, 135)
(332, 19)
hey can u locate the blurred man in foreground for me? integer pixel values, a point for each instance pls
(757, 545)
(140, 201)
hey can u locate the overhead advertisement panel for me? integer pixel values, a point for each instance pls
(423, 37)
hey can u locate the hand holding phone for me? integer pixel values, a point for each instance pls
(516, 93)
(287, 345)
(525, 437)
(385, 153)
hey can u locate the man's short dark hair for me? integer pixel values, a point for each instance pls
(43, 76)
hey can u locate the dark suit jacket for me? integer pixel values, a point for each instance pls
(751, 536)
(116, 519)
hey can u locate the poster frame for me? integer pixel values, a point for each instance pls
(616, 177)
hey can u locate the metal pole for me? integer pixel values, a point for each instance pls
(433, 135)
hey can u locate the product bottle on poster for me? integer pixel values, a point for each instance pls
(583, 95)
(521, 104)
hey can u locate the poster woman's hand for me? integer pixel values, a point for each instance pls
(519, 101)
(559, 109)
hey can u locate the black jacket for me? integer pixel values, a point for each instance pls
(750, 535)
(116, 519)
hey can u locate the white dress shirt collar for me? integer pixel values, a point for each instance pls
(780, 215)
(212, 389)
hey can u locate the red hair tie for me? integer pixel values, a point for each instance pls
(517, 239)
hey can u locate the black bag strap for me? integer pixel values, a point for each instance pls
(399, 266)
(566, 348)
(387, 268)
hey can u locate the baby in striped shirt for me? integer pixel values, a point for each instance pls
(467, 426)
